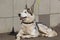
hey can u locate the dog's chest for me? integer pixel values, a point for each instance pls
(28, 28)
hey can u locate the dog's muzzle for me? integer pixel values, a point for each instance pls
(21, 18)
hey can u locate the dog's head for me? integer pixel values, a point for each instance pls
(27, 14)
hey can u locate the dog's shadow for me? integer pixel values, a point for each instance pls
(13, 33)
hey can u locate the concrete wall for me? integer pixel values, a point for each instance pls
(9, 9)
(54, 20)
(55, 6)
(55, 12)
(43, 12)
(52, 9)
(5, 15)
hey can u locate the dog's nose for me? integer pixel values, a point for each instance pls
(19, 15)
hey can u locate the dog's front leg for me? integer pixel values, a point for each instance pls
(19, 35)
(29, 36)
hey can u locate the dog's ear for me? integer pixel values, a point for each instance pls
(32, 7)
(26, 6)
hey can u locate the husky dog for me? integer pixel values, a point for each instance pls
(29, 28)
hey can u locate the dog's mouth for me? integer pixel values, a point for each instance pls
(22, 18)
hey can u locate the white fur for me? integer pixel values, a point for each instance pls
(30, 28)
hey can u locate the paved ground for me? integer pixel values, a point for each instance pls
(5, 36)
